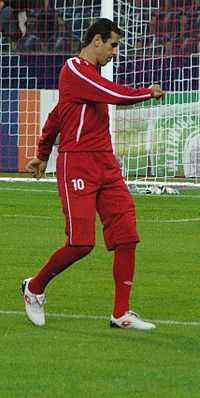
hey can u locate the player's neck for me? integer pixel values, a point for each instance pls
(88, 54)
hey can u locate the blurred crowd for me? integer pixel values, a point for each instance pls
(176, 26)
(35, 26)
(42, 26)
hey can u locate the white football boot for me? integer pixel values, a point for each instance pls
(34, 304)
(130, 320)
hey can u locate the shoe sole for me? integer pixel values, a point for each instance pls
(114, 325)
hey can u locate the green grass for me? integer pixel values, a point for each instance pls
(84, 358)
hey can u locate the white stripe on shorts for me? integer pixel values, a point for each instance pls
(67, 198)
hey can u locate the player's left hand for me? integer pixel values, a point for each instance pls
(157, 91)
(36, 167)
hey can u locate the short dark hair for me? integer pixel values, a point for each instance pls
(103, 27)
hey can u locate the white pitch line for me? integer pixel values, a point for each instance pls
(182, 195)
(31, 216)
(173, 322)
(178, 220)
(28, 216)
(29, 190)
(100, 318)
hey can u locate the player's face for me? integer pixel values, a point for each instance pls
(107, 50)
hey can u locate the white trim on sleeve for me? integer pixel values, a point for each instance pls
(107, 90)
(78, 134)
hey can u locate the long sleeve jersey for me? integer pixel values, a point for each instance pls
(84, 96)
(50, 132)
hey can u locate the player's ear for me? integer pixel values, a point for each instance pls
(97, 40)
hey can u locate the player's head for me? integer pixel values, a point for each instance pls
(104, 37)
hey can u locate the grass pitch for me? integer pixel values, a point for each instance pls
(76, 355)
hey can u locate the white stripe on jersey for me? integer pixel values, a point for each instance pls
(107, 90)
(78, 134)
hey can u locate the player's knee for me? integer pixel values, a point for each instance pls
(80, 251)
(129, 245)
(85, 250)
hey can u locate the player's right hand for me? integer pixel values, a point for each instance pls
(157, 91)
(36, 167)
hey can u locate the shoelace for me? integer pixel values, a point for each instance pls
(41, 299)
(133, 313)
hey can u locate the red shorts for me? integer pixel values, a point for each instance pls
(90, 182)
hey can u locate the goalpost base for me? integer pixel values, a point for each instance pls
(130, 183)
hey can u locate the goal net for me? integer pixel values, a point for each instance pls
(154, 141)
(160, 141)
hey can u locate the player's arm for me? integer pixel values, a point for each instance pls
(50, 131)
(88, 85)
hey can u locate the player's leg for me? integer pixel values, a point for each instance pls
(33, 288)
(117, 213)
(79, 205)
(58, 262)
(123, 274)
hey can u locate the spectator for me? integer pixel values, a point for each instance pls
(20, 8)
(168, 45)
(8, 21)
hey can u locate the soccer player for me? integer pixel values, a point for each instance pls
(88, 174)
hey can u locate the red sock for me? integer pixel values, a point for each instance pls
(58, 262)
(123, 273)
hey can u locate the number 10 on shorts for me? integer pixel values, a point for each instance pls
(78, 184)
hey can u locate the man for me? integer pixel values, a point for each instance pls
(8, 21)
(88, 174)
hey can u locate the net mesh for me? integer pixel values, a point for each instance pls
(159, 44)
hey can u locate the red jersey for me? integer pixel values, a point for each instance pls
(50, 132)
(82, 108)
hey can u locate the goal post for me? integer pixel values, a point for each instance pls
(107, 11)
